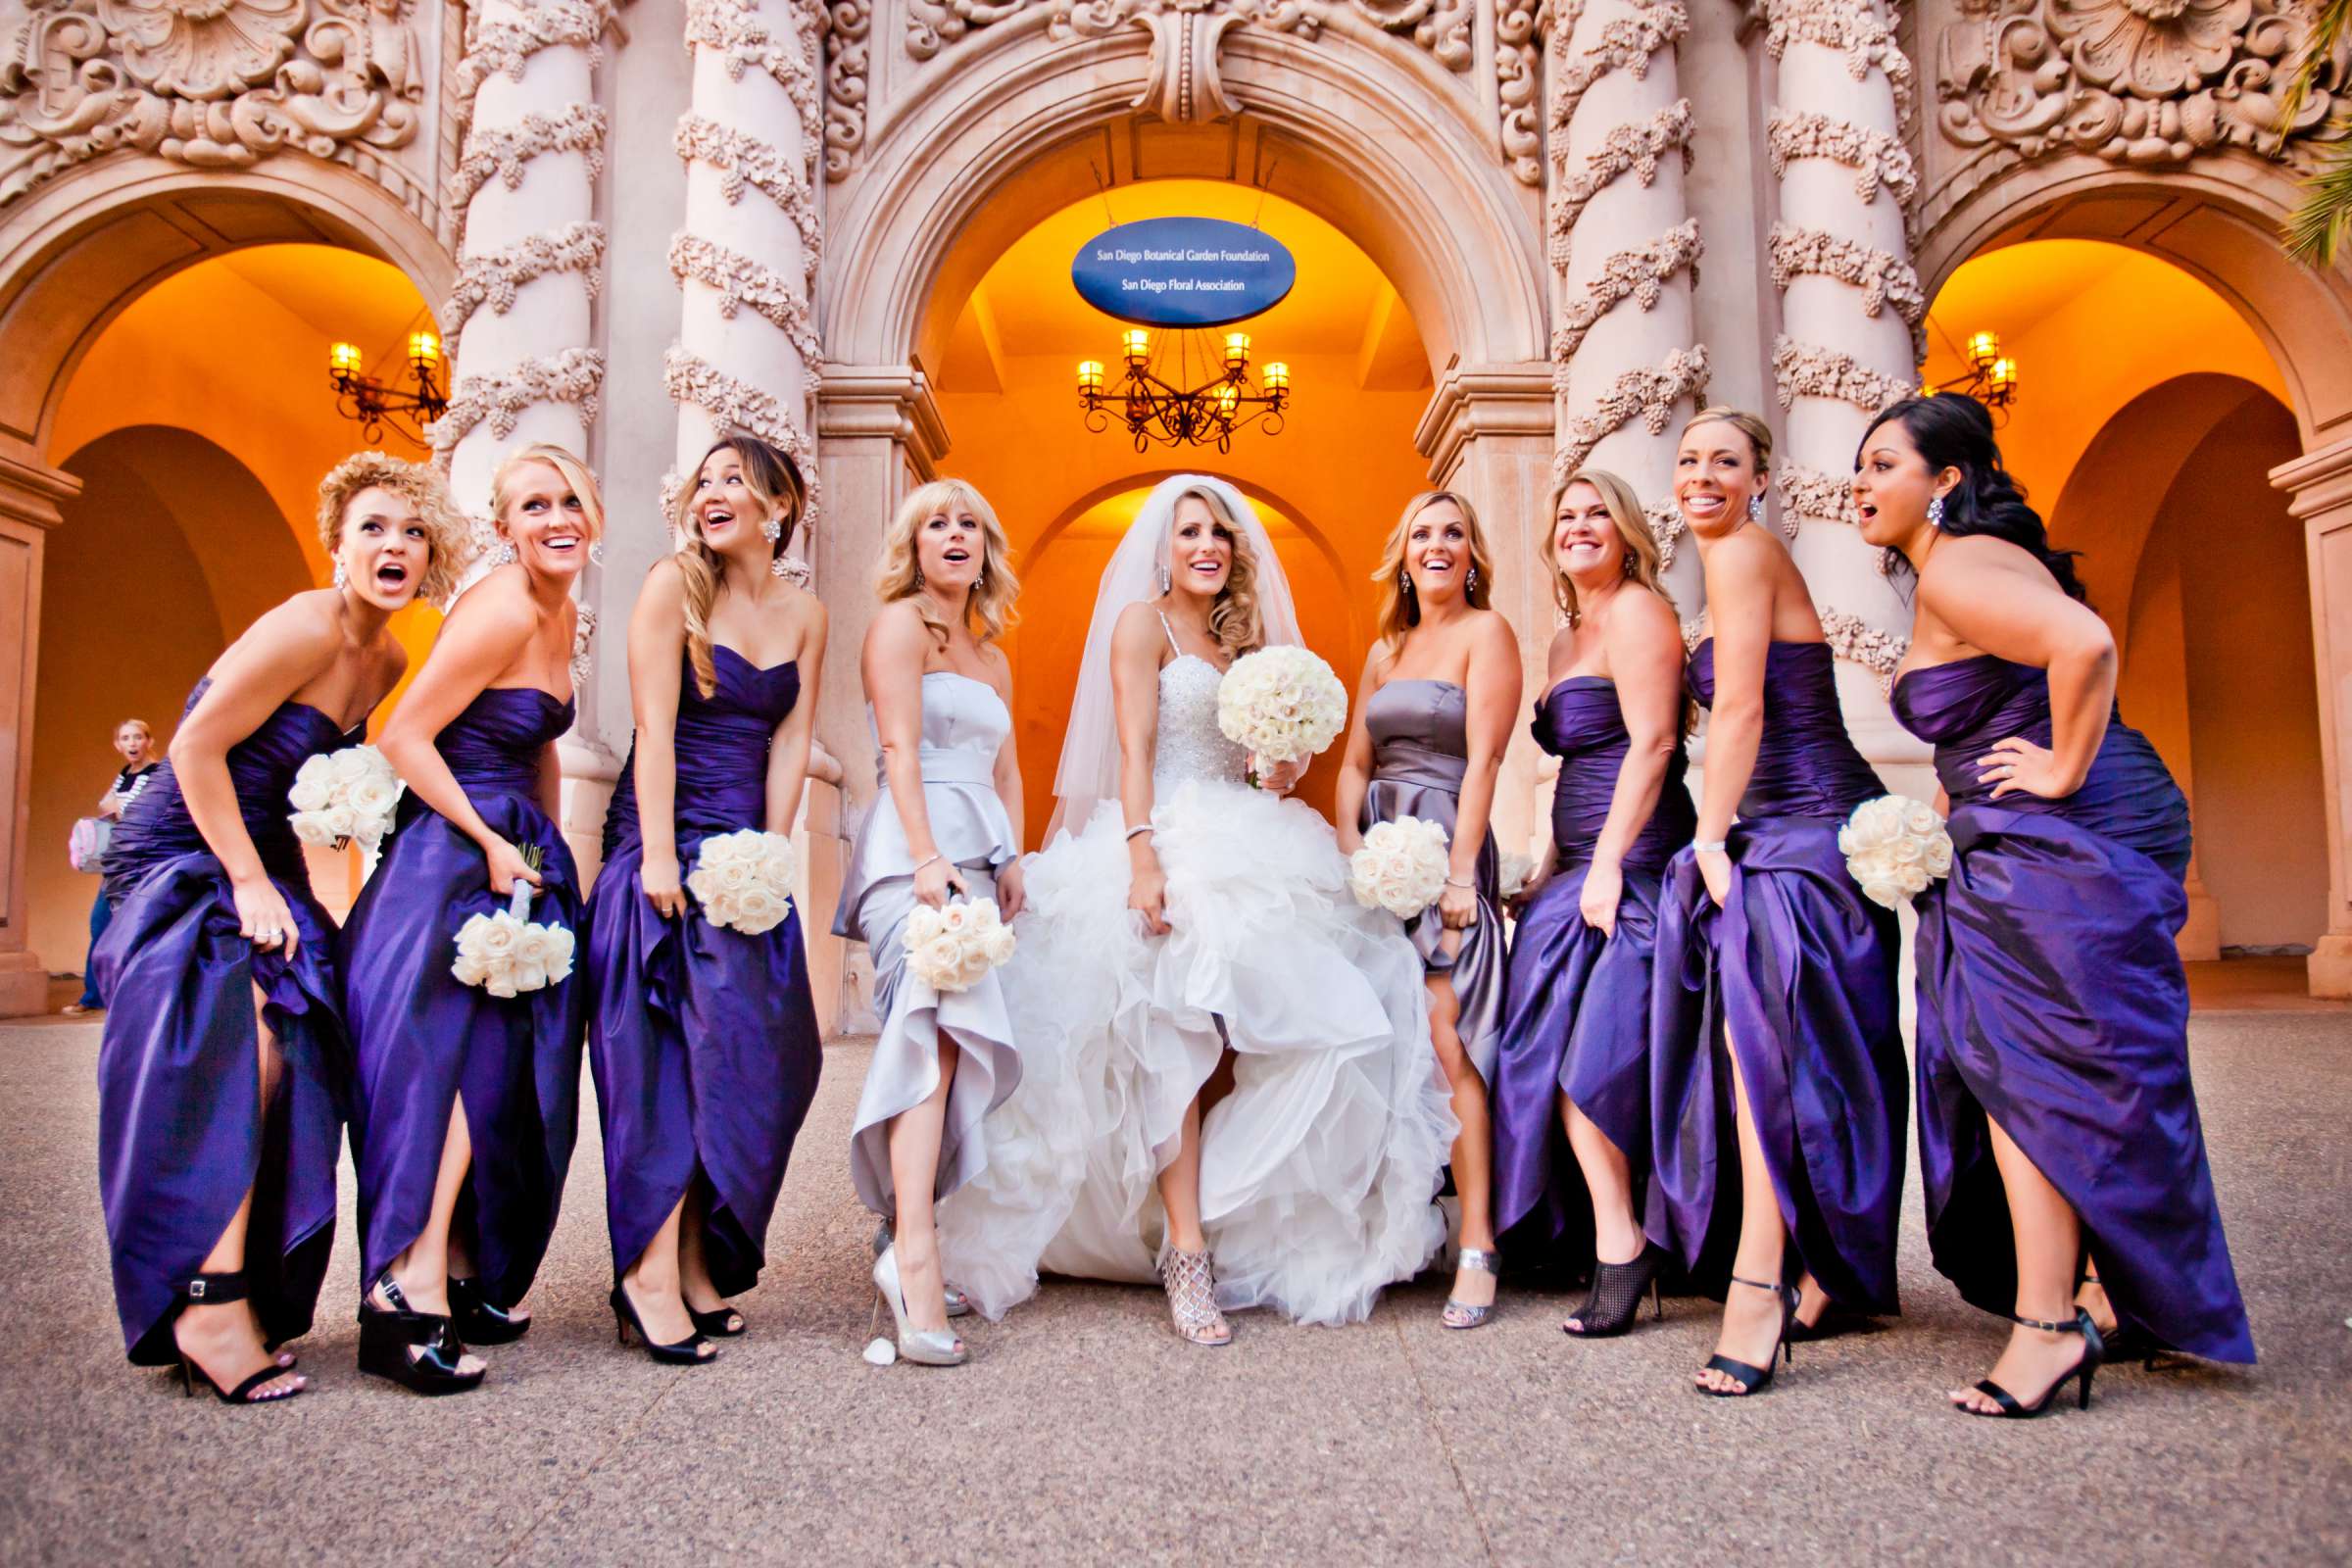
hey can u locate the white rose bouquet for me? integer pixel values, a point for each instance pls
(341, 795)
(1283, 703)
(507, 955)
(1402, 866)
(949, 949)
(1894, 847)
(744, 880)
(1513, 872)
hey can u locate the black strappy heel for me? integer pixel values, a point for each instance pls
(2094, 1351)
(220, 1290)
(479, 1320)
(388, 1335)
(2125, 1341)
(1615, 1299)
(1756, 1379)
(691, 1351)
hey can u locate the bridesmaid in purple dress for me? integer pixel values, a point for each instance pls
(1571, 1085)
(223, 1069)
(1433, 715)
(1778, 1081)
(467, 1102)
(2059, 1137)
(703, 1040)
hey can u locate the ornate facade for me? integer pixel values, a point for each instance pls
(641, 222)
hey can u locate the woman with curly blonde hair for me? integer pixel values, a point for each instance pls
(1434, 712)
(1184, 914)
(945, 824)
(467, 1102)
(220, 1072)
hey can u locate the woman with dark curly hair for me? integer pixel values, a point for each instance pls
(2058, 1130)
(222, 1073)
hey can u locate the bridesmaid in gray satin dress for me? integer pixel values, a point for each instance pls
(1433, 715)
(943, 826)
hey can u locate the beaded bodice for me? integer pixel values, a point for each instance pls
(1189, 745)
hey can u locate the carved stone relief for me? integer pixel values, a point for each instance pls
(211, 83)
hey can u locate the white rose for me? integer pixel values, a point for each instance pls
(497, 938)
(372, 797)
(1921, 820)
(530, 977)
(349, 765)
(922, 926)
(942, 956)
(311, 829)
(501, 981)
(1938, 859)
(998, 944)
(531, 946)
(1907, 851)
(309, 793)
(757, 910)
(732, 875)
(469, 969)
(955, 920)
(1880, 891)
(703, 885)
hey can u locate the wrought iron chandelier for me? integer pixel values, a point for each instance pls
(1991, 377)
(1154, 409)
(372, 405)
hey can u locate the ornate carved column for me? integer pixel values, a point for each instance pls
(1625, 255)
(2320, 483)
(1850, 307)
(517, 324)
(30, 494)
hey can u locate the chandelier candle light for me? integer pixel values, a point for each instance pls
(1154, 409)
(1991, 377)
(371, 402)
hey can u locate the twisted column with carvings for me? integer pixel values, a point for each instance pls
(1850, 310)
(1624, 248)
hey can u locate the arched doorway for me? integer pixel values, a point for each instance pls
(2148, 419)
(189, 307)
(1328, 484)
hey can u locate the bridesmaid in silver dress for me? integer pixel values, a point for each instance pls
(944, 826)
(1433, 715)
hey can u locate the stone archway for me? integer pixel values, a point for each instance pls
(2217, 221)
(1363, 134)
(79, 250)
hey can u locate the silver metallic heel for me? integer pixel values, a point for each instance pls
(1461, 1314)
(959, 1303)
(923, 1347)
(1191, 1284)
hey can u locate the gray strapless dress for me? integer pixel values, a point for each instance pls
(1420, 752)
(964, 726)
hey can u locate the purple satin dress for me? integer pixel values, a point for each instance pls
(1420, 754)
(422, 1040)
(2051, 1000)
(1578, 1017)
(1800, 969)
(182, 1130)
(704, 1041)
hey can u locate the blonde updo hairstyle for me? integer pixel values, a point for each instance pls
(988, 606)
(774, 481)
(1399, 607)
(1642, 562)
(1234, 622)
(448, 533)
(565, 462)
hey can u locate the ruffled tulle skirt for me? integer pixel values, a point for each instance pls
(1317, 1170)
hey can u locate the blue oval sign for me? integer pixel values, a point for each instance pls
(1183, 272)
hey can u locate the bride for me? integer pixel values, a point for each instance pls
(1181, 914)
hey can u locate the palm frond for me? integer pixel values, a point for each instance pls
(2329, 27)
(2316, 233)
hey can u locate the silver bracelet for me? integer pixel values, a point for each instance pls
(937, 855)
(1711, 846)
(1466, 887)
(1138, 829)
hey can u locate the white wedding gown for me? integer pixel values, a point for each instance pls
(1318, 1170)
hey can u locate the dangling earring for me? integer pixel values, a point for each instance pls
(1471, 583)
(503, 555)
(595, 554)
(342, 577)
(1165, 582)
(1934, 512)
(772, 530)
(1631, 566)
(918, 574)
(1756, 508)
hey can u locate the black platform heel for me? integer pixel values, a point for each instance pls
(479, 1320)
(220, 1290)
(389, 1335)
(691, 1351)
(1615, 1299)
(1756, 1379)
(2094, 1351)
